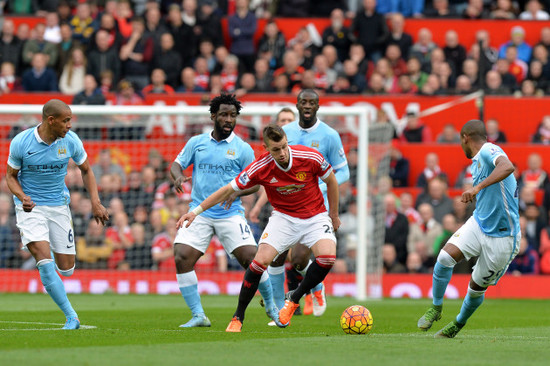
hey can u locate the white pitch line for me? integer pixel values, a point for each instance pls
(39, 323)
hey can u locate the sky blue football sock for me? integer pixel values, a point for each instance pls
(470, 304)
(441, 277)
(265, 289)
(54, 286)
(188, 285)
(277, 279)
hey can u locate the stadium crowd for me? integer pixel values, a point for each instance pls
(124, 50)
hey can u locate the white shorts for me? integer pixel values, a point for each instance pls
(495, 254)
(53, 224)
(233, 232)
(283, 231)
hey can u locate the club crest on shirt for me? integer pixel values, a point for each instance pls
(265, 235)
(230, 154)
(315, 144)
(301, 176)
(62, 152)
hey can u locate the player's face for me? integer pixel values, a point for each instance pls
(285, 118)
(307, 106)
(62, 124)
(225, 120)
(279, 151)
(465, 147)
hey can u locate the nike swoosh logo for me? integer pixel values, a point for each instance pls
(70, 246)
(29, 153)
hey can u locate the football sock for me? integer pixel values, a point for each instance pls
(248, 289)
(443, 271)
(277, 279)
(266, 291)
(188, 284)
(316, 273)
(293, 278)
(54, 286)
(471, 302)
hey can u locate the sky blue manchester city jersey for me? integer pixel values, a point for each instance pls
(497, 205)
(42, 167)
(215, 164)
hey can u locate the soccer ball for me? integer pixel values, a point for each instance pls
(356, 319)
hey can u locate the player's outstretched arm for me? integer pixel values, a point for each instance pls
(176, 172)
(228, 202)
(15, 187)
(333, 199)
(219, 196)
(503, 168)
(100, 213)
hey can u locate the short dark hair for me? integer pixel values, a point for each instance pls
(54, 108)
(474, 129)
(273, 132)
(223, 98)
(308, 91)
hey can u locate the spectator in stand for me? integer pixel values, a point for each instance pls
(324, 75)
(449, 135)
(389, 259)
(414, 70)
(136, 194)
(108, 23)
(65, 46)
(449, 226)
(136, 54)
(536, 73)
(263, 75)
(463, 85)
(209, 23)
(371, 30)
(52, 32)
(493, 84)
(534, 176)
(436, 195)
(40, 45)
(383, 68)
(432, 86)
(91, 95)
(216, 84)
(188, 78)
(246, 84)
(202, 76)
(440, 9)
(184, 37)
(475, 10)
(39, 77)
(138, 256)
(470, 69)
(398, 36)
(507, 79)
(158, 84)
(534, 11)
(206, 50)
(397, 63)
(536, 219)
(545, 37)
(8, 81)
(271, 46)
(168, 60)
(485, 55)
(123, 15)
(93, 250)
(242, 26)
(455, 53)
(431, 171)
(407, 208)
(332, 58)
(10, 46)
(542, 134)
(83, 24)
(338, 35)
(517, 39)
(437, 56)
(526, 261)
(504, 9)
(517, 68)
(162, 249)
(119, 237)
(446, 77)
(376, 84)
(414, 263)
(126, 127)
(357, 55)
(154, 26)
(230, 73)
(357, 81)
(426, 231)
(423, 47)
(494, 134)
(103, 58)
(397, 228)
(9, 234)
(291, 69)
(72, 77)
(405, 85)
(415, 130)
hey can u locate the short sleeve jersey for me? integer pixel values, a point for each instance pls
(215, 164)
(293, 191)
(497, 205)
(42, 167)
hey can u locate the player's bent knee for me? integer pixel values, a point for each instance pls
(476, 293)
(446, 259)
(66, 272)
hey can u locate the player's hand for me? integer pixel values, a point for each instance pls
(178, 183)
(335, 222)
(189, 217)
(101, 215)
(254, 214)
(469, 195)
(229, 201)
(28, 204)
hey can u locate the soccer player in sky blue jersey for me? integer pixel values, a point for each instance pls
(217, 157)
(37, 166)
(492, 233)
(309, 131)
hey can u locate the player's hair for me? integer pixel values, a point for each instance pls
(308, 91)
(284, 110)
(273, 132)
(474, 129)
(223, 98)
(54, 108)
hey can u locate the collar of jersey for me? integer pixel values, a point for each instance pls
(479, 152)
(228, 140)
(39, 139)
(312, 128)
(289, 161)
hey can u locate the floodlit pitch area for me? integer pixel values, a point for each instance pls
(143, 330)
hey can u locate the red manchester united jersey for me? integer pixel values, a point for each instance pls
(293, 191)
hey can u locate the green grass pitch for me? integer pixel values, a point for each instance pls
(143, 330)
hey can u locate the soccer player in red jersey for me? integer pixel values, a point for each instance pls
(290, 176)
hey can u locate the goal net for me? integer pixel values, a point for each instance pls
(131, 149)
